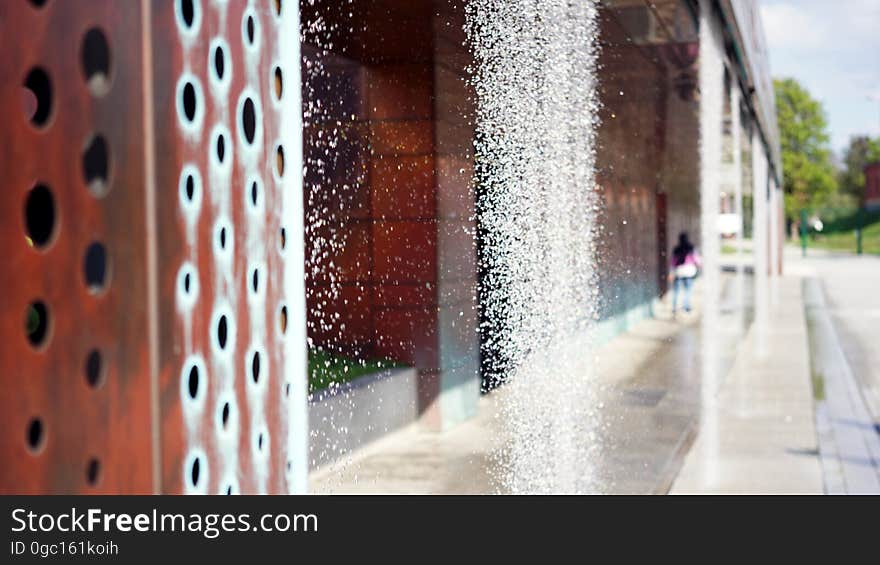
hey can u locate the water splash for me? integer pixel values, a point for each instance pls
(537, 111)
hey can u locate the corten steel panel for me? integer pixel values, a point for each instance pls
(168, 277)
(247, 453)
(95, 438)
(372, 189)
(629, 156)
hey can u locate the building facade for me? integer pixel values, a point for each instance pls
(872, 186)
(295, 188)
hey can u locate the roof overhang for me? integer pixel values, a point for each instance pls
(742, 20)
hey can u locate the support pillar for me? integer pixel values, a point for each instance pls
(711, 111)
(760, 235)
(774, 240)
(294, 349)
(736, 139)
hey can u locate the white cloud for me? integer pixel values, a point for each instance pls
(790, 27)
(830, 46)
(863, 16)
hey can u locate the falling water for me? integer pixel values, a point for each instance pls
(332, 179)
(537, 111)
(325, 198)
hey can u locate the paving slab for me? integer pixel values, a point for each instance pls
(849, 442)
(757, 431)
(649, 399)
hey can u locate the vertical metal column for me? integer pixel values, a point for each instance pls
(292, 217)
(229, 229)
(760, 180)
(775, 210)
(736, 139)
(711, 110)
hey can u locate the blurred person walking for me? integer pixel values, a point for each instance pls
(684, 266)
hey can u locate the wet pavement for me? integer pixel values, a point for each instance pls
(754, 420)
(804, 418)
(843, 310)
(649, 399)
(757, 432)
(852, 290)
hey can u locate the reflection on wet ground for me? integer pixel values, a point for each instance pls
(848, 435)
(757, 432)
(648, 400)
(653, 415)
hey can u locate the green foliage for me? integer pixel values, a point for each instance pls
(327, 368)
(846, 220)
(861, 151)
(809, 177)
(839, 229)
(845, 240)
(841, 200)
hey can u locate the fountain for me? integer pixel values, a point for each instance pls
(537, 113)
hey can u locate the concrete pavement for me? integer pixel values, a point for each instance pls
(852, 290)
(649, 398)
(757, 431)
(804, 418)
(751, 428)
(842, 309)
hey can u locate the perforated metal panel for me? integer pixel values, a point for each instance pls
(219, 216)
(152, 312)
(63, 429)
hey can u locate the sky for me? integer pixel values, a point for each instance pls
(832, 47)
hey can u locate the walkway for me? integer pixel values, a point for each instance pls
(752, 426)
(843, 309)
(650, 383)
(757, 432)
(852, 290)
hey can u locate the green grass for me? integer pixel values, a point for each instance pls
(846, 240)
(818, 386)
(729, 246)
(327, 368)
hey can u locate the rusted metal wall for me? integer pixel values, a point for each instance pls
(391, 251)
(153, 311)
(71, 424)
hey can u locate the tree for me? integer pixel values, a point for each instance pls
(861, 151)
(808, 174)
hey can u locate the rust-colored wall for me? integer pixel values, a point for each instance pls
(88, 386)
(631, 138)
(94, 437)
(458, 382)
(372, 248)
(390, 204)
(872, 185)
